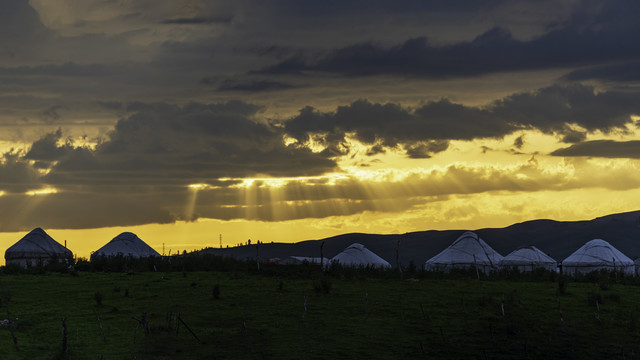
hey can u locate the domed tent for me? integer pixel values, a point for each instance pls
(595, 255)
(126, 244)
(468, 251)
(528, 258)
(36, 248)
(358, 255)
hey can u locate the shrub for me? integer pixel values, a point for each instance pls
(322, 285)
(604, 282)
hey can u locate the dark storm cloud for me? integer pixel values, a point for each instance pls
(47, 149)
(425, 150)
(628, 71)
(68, 69)
(609, 33)
(17, 175)
(199, 20)
(550, 110)
(360, 7)
(571, 136)
(71, 210)
(195, 143)
(254, 86)
(602, 148)
(519, 142)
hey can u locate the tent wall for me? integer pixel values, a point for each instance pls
(575, 270)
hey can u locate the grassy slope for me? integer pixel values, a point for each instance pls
(462, 318)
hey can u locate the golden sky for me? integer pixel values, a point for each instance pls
(184, 120)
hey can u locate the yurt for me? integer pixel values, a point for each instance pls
(126, 244)
(595, 255)
(358, 255)
(36, 248)
(468, 251)
(528, 258)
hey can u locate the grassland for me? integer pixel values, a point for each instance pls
(263, 316)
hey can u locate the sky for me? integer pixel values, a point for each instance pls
(194, 122)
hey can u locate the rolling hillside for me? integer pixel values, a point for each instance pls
(557, 238)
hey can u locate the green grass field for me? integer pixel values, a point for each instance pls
(258, 316)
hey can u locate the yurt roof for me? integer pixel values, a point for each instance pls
(527, 255)
(36, 244)
(358, 254)
(127, 244)
(596, 252)
(468, 249)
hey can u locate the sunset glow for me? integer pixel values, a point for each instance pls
(289, 121)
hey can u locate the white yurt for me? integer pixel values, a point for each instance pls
(358, 255)
(36, 248)
(126, 244)
(528, 258)
(468, 251)
(595, 255)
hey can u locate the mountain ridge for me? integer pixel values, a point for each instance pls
(556, 238)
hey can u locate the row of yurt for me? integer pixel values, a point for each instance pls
(470, 251)
(38, 248)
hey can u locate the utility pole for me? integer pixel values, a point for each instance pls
(220, 241)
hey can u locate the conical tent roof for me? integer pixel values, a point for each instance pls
(37, 244)
(126, 244)
(595, 255)
(528, 258)
(358, 255)
(467, 251)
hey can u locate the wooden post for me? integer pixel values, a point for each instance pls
(424, 356)
(366, 305)
(100, 324)
(64, 335)
(188, 328)
(560, 310)
(258, 254)
(304, 313)
(244, 320)
(475, 263)
(321, 256)
(502, 305)
(398, 258)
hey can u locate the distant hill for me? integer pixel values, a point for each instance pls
(557, 238)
